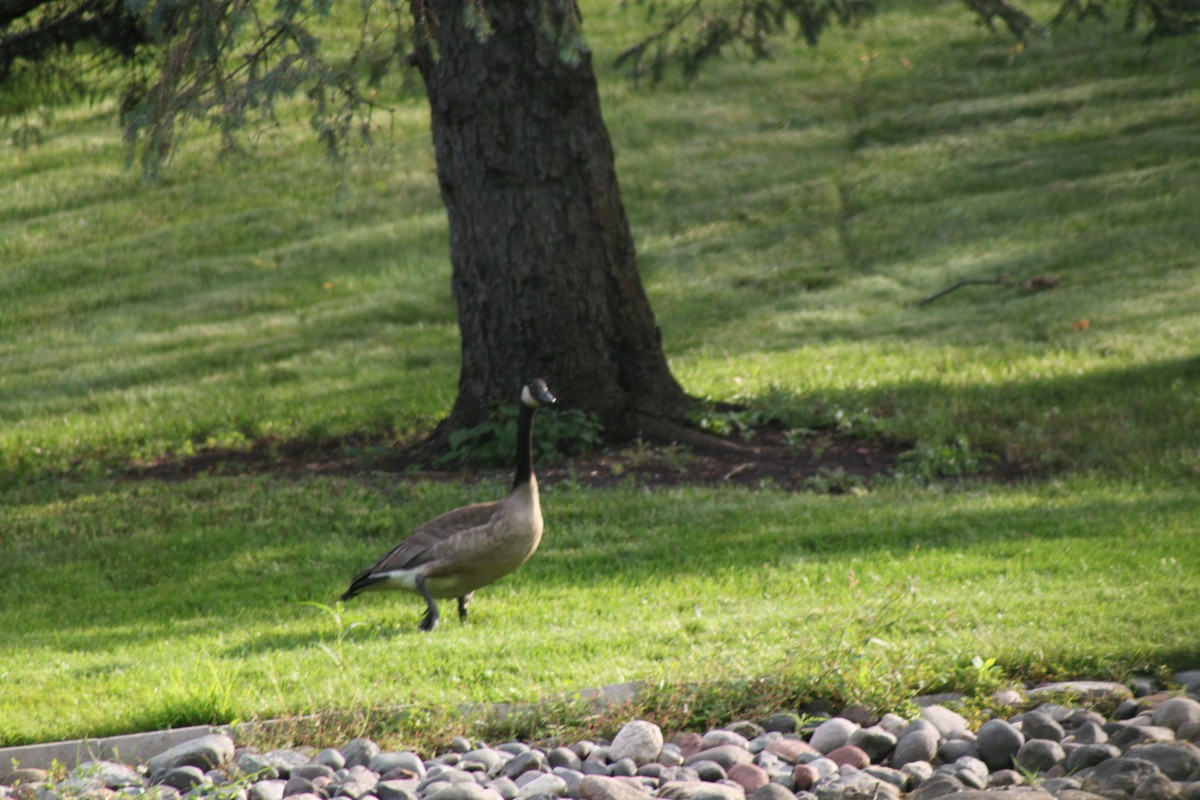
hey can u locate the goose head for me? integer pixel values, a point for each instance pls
(535, 394)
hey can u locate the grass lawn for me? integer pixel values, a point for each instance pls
(789, 215)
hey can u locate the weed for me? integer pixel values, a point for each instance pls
(932, 461)
(835, 481)
(558, 434)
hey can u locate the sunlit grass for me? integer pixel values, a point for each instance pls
(789, 216)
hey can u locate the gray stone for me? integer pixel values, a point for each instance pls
(108, 774)
(595, 787)
(639, 740)
(1179, 761)
(726, 755)
(998, 742)
(256, 765)
(720, 736)
(892, 723)
(563, 757)
(1068, 790)
(1089, 733)
(523, 762)
(1131, 735)
(573, 777)
(832, 734)
(1039, 755)
(916, 772)
(484, 759)
(918, 744)
(1119, 775)
(623, 768)
(1158, 787)
(874, 741)
(359, 781)
(1089, 755)
(1005, 777)
(389, 761)
(359, 752)
(709, 770)
(888, 775)
(746, 729)
(312, 771)
(295, 785)
(547, 783)
(396, 789)
(331, 758)
(284, 761)
(783, 722)
(953, 749)
(1040, 725)
(505, 787)
(937, 786)
(1175, 712)
(464, 791)
(772, 791)
(1189, 680)
(680, 790)
(946, 721)
(183, 778)
(206, 752)
(271, 789)
(1012, 793)
(857, 785)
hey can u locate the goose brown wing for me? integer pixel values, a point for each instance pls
(430, 539)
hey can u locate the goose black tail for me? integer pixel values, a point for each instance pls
(360, 583)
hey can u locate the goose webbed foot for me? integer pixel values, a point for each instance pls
(462, 605)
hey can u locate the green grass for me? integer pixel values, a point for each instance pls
(788, 217)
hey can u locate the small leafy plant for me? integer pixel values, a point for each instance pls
(559, 434)
(931, 461)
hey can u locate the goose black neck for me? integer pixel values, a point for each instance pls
(524, 446)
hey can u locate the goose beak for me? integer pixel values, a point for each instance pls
(537, 394)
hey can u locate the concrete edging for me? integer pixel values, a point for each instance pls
(138, 748)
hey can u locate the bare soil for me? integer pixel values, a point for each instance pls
(824, 461)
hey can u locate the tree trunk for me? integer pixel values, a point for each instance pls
(544, 271)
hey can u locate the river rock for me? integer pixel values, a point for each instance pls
(874, 741)
(359, 752)
(1039, 755)
(681, 790)
(1175, 712)
(749, 776)
(1179, 761)
(1089, 755)
(639, 740)
(205, 752)
(856, 785)
(849, 755)
(832, 734)
(595, 787)
(1085, 691)
(1040, 725)
(998, 742)
(726, 755)
(916, 743)
(389, 762)
(790, 750)
(946, 721)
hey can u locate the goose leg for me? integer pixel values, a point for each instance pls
(462, 605)
(430, 620)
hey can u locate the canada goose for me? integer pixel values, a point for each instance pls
(462, 550)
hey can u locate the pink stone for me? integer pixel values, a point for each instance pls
(791, 749)
(849, 754)
(689, 743)
(749, 776)
(805, 776)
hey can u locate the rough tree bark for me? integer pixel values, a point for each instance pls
(544, 271)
